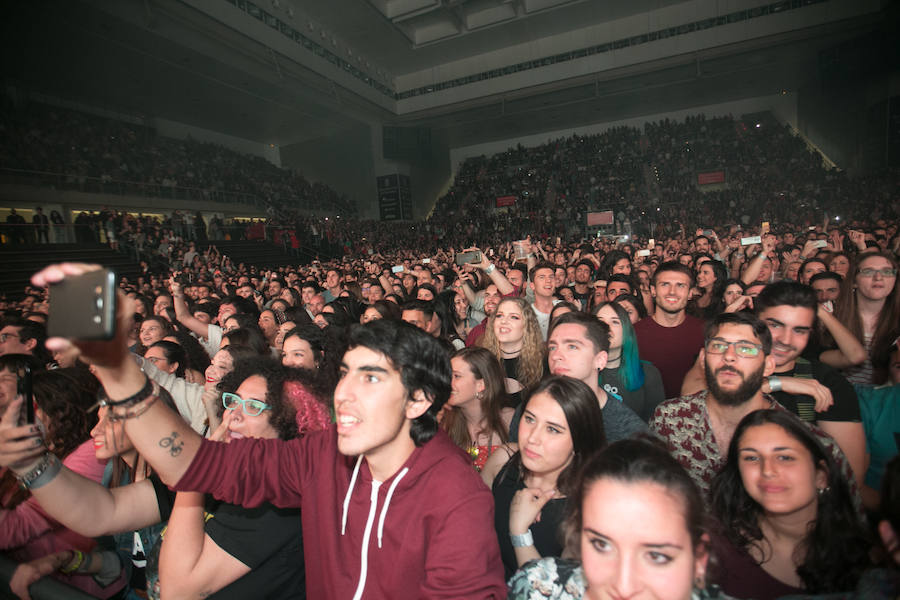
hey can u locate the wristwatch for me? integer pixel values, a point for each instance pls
(522, 541)
(774, 384)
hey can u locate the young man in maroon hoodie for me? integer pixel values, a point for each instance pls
(391, 507)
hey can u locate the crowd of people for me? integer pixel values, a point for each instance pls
(687, 416)
(707, 409)
(77, 150)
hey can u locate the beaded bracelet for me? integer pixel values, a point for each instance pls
(42, 473)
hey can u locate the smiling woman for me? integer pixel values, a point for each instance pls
(635, 528)
(789, 523)
(513, 335)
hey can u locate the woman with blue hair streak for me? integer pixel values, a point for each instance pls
(626, 377)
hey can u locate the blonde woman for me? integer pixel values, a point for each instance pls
(514, 337)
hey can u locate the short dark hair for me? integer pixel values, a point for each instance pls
(241, 304)
(786, 293)
(521, 269)
(541, 265)
(30, 330)
(595, 330)
(173, 353)
(426, 307)
(760, 329)
(621, 278)
(674, 265)
(423, 363)
(826, 275)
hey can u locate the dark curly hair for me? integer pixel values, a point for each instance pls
(836, 547)
(283, 417)
(423, 363)
(65, 395)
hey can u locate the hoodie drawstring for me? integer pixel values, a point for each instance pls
(387, 502)
(367, 535)
(349, 492)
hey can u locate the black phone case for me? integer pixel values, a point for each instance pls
(84, 307)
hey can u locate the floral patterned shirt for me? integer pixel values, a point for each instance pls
(563, 579)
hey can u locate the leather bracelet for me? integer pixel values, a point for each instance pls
(143, 393)
(137, 410)
(522, 541)
(42, 473)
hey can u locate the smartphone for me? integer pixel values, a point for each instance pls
(707, 232)
(754, 239)
(820, 243)
(651, 243)
(425, 261)
(24, 388)
(765, 227)
(643, 253)
(397, 269)
(84, 307)
(465, 258)
(812, 228)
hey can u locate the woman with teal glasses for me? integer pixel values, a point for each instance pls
(244, 552)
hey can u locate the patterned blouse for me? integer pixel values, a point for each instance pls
(563, 579)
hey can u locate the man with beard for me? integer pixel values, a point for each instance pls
(670, 338)
(697, 429)
(581, 288)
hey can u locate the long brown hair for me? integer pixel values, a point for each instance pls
(486, 368)
(531, 359)
(887, 326)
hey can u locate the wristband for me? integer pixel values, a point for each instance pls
(490, 269)
(72, 565)
(522, 541)
(144, 392)
(774, 383)
(42, 473)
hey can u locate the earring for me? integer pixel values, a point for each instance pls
(700, 581)
(824, 490)
(479, 395)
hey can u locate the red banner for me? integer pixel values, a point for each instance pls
(600, 218)
(506, 201)
(710, 177)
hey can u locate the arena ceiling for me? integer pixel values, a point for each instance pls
(163, 58)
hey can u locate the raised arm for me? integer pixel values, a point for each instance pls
(490, 269)
(160, 435)
(184, 315)
(850, 352)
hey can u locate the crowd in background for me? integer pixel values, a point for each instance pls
(753, 332)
